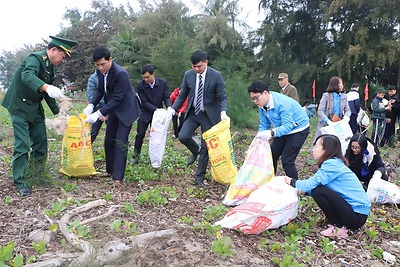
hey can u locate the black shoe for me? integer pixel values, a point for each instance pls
(199, 181)
(192, 158)
(135, 160)
(25, 191)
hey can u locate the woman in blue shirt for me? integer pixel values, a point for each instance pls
(335, 188)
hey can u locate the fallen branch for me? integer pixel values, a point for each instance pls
(110, 211)
(111, 251)
(89, 252)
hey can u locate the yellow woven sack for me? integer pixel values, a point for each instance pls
(220, 152)
(77, 155)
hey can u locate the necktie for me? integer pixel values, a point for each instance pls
(199, 99)
(105, 83)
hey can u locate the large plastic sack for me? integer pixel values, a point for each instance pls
(257, 170)
(269, 207)
(220, 152)
(342, 130)
(363, 118)
(158, 136)
(381, 192)
(77, 155)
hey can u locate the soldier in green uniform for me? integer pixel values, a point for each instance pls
(32, 82)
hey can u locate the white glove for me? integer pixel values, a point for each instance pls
(264, 135)
(377, 175)
(329, 122)
(54, 92)
(93, 117)
(170, 112)
(346, 119)
(225, 117)
(88, 110)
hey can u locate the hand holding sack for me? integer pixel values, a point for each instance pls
(225, 117)
(94, 117)
(88, 110)
(264, 135)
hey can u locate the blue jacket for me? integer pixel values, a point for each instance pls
(284, 114)
(335, 175)
(93, 83)
(120, 97)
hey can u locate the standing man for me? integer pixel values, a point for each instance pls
(93, 83)
(207, 106)
(33, 82)
(153, 92)
(379, 106)
(353, 97)
(389, 136)
(121, 108)
(284, 119)
(287, 88)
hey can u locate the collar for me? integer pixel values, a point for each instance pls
(283, 88)
(153, 84)
(270, 104)
(203, 75)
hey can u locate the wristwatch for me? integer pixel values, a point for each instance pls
(272, 133)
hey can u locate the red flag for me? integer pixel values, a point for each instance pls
(313, 89)
(366, 93)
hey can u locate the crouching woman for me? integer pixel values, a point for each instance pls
(335, 188)
(365, 160)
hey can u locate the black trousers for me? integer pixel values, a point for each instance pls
(141, 132)
(336, 209)
(288, 147)
(116, 146)
(191, 123)
(177, 124)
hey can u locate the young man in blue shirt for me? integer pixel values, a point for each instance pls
(284, 119)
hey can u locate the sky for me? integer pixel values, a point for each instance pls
(28, 22)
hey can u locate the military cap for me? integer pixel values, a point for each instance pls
(283, 76)
(63, 43)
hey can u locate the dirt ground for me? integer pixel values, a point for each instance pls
(19, 216)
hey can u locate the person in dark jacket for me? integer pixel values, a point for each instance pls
(364, 159)
(353, 97)
(153, 92)
(391, 118)
(379, 106)
(121, 109)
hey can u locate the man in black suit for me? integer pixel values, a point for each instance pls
(121, 107)
(207, 106)
(153, 92)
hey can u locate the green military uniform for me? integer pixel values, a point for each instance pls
(23, 100)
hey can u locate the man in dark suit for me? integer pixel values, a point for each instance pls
(207, 106)
(153, 92)
(121, 107)
(31, 83)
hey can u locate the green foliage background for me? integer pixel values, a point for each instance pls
(310, 40)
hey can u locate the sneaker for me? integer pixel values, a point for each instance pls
(334, 231)
(25, 191)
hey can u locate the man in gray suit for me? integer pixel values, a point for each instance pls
(207, 106)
